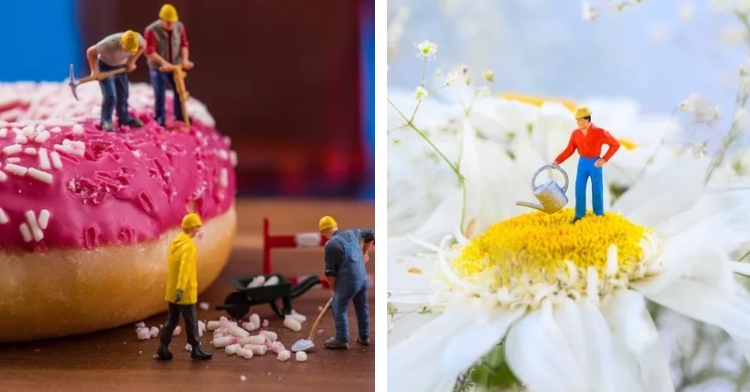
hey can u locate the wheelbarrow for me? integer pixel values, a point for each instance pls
(238, 303)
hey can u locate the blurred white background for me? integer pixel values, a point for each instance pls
(656, 52)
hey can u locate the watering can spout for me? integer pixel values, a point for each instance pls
(530, 205)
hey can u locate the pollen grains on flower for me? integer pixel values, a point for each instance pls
(525, 259)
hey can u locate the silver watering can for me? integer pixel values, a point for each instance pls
(550, 194)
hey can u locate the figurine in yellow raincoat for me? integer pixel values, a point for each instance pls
(182, 290)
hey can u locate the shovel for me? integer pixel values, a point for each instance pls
(307, 344)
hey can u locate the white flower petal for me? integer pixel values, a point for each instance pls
(416, 364)
(408, 321)
(636, 342)
(679, 186)
(466, 348)
(471, 170)
(538, 355)
(596, 334)
(725, 307)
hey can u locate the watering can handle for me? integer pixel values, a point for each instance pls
(543, 168)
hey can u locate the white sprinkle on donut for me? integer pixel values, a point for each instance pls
(28, 130)
(44, 159)
(3, 132)
(55, 130)
(13, 149)
(56, 161)
(36, 231)
(224, 178)
(30, 151)
(77, 130)
(43, 219)
(15, 169)
(233, 158)
(3, 176)
(223, 154)
(40, 175)
(26, 232)
(42, 137)
(3, 217)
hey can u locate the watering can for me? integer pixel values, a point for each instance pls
(550, 194)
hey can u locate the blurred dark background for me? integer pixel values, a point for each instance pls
(291, 82)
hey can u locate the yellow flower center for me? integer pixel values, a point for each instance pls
(539, 100)
(539, 248)
(627, 144)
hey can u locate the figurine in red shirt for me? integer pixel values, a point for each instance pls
(166, 47)
(588, 140)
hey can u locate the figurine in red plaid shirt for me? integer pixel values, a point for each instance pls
(166, 47)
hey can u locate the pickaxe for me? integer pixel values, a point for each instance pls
(73, 83)
(182, 93)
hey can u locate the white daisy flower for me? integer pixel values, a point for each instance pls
(568, 300)
(519, 134)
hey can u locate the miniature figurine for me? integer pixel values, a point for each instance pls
(114, 52)
(345, 257)
(167, 49)
(182, 290)
(588, 139)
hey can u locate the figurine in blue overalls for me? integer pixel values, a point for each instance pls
(346, 255)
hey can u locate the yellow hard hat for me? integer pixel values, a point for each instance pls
(583, 112)
(191, 220)
(168, 13)
(327, 222)
(129, 41)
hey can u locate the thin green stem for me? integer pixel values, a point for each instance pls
(398, 127)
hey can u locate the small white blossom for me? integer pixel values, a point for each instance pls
(489, 76)
(426, 50)
(590, 13)
(438, 74)
(699, 150)
(451, 78)
(733, 35)
(464, 69)
(658, 35)
(421, 93)
(686, 12)
(484, 91)
(702, 111)
(741, 117)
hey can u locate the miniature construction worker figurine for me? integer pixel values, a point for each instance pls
(588, 139)
(345, 256)
(166, 47)
(182, 290)
(117, 51)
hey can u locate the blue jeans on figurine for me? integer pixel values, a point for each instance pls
(159, 81)
(351, 287)
(115, 97)
(586, 170)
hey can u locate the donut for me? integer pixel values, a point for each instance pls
(86, 216)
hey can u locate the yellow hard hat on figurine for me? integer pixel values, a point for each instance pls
(326, 223)
(583, 112)
(191, 220)
(168, 13)
(129, 41)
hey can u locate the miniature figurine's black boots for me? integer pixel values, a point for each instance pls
(163, 353)
(200, 353)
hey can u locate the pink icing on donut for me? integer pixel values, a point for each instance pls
(112, 188)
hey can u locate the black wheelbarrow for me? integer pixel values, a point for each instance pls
(238, 303)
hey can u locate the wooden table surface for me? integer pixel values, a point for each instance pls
(115, 360)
